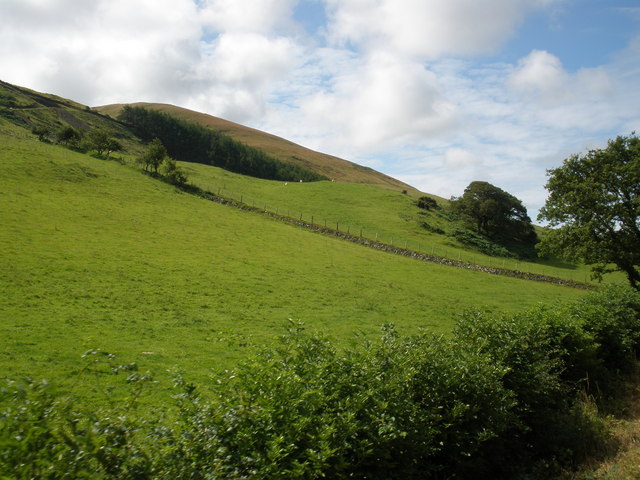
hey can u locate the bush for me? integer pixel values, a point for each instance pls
(400, 409)
(480, 243)
(429, 228)
(612, 316)
(506, 395)
(427, 203)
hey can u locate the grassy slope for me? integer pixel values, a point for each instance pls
(328, 165)
(361, 198)
(96, 255)
(31, 109)
(387, 215)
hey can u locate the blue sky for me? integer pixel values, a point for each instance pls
(437, 93)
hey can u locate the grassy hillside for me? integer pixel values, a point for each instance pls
(95, 254)
(328, 165)
(48, 113)
(370, 210)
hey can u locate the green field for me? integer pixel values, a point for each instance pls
(373, 211)
(96, 255)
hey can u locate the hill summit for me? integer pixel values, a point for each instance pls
(330, 166)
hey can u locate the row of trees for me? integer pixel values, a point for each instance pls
(593, 210)
(99, 140)
(190, 142)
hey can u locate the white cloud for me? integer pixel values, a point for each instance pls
(540, 75)
(427, 29)
(382, 101)
(249, 16)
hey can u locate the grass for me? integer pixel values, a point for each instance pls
(96, 255)
(371, 210)
(620, 459)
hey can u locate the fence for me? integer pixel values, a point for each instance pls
(422, 249)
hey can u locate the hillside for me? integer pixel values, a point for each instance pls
(107, 270)
(97, 255)
(35, 111)
(327, 165)
(377, 210)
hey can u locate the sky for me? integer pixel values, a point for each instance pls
(436, 93)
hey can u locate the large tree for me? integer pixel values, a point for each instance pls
(495, 213)
(594, 201)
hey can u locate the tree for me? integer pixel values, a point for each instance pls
(102, 142)
(594, 200)
(173, 173)
(154, 156)
(495, 214)
(68, 136)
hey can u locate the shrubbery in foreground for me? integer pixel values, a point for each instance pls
(501, 397)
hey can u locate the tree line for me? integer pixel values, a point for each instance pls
(189, 142)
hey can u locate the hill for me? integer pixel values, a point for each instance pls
(46, 114)
(97, 255)
(321, 163)
(378, 211)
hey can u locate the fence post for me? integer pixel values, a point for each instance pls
(337, 229)
(311, 219)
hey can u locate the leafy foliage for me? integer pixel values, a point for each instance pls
(427, 203)
(594, 199)
(480, 242)
(190, 142)
(102, 142)
(500, 398)
(68, 135)
(154, 155)
(496, 214)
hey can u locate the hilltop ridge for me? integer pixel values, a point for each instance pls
(328, 165)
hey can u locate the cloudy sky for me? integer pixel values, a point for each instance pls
(437, 93)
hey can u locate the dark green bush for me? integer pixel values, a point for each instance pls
(612, 316)
(480, 243)
(427, 203)
(400, 409)
(505, 396)
(429, 228)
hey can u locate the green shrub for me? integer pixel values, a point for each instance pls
(427, 203)
(429, 228)
(505, 396)
(480, 243)
(612, 316)
(399, 409)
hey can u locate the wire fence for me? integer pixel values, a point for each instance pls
(423, 247)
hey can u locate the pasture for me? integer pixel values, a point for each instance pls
(96, 255)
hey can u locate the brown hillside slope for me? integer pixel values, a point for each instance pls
(328, 165)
